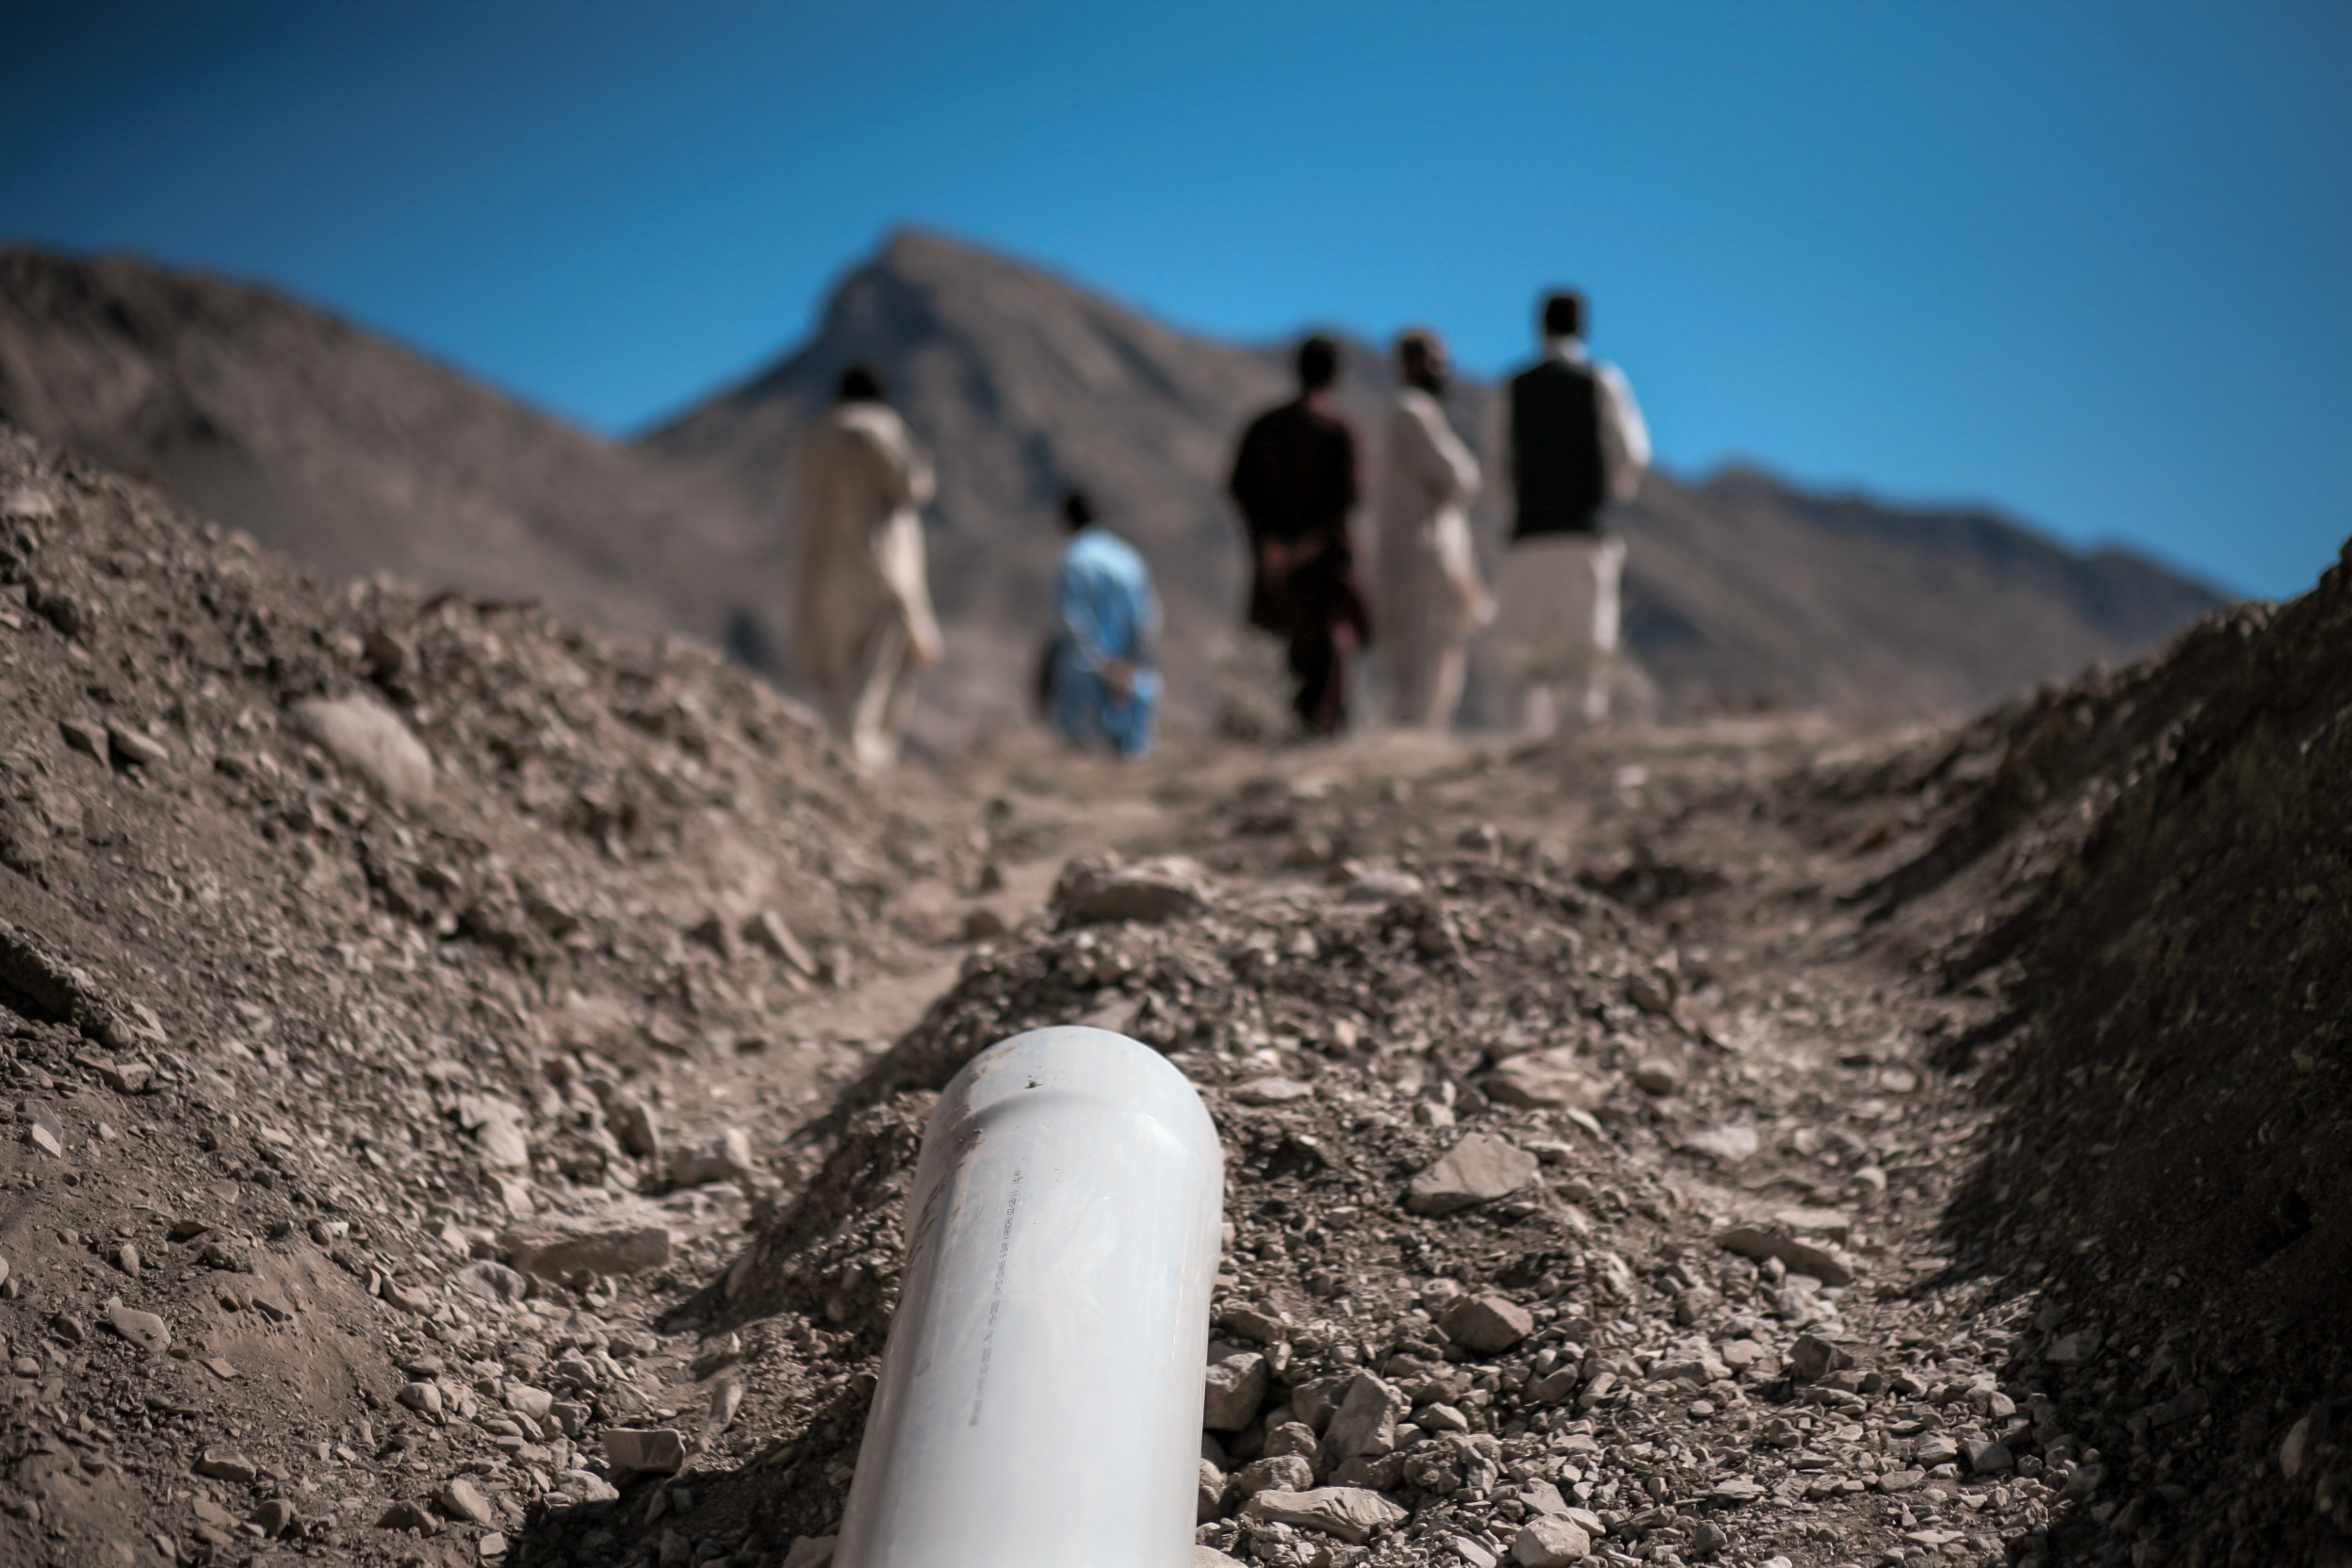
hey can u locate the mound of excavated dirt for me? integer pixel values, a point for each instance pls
(1616, 1210)
(2157, 879)
(353, 948)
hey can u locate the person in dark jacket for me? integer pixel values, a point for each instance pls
(1574, 441)
(1295, 483)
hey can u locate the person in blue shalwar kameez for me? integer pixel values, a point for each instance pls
(1104, 688)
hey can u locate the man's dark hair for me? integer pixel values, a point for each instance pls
(1318, 363)
(1563, 314)
(1077, 510)
(858, 385)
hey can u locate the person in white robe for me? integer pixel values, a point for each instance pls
(862, 623)
(1573, 441)
(1428, 596)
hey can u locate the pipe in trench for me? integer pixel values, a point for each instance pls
(1040, 1398)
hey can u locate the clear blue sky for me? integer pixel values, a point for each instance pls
(2091, 262)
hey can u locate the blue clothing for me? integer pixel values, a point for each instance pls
(1106, 612)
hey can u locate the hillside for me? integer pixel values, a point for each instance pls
(1740, 588)
(347, 451)
(356, 456)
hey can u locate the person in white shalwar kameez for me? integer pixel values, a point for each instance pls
(1573, 440)
(1428, 598)
(863, 622)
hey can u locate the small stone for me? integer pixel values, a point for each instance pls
(1256, 1325)
(1829, 1224)
(809, 1551)
(219, 1367)
(1984, 1456)
(651, 1450)
(136, 747)
(425, 1398)
(142, 1329)
(2294, 1449)
(2078, 1349)
(635, 1125)
(523, 1399)
(1706, 1539)
(1901, 1480)
(1798, 1257)
(492, 1280)
(410, 1298)
(371, 741)
(492, 1544)
(605, 1253)
(1236, 1387)
(500, 1129)
(1476, 1169)
(409, 1516)
(1488, 1324)
(1935, 1448)
(1657, 1076)
(226, 1464)
(1728, 1144)
(275, 1516)
(1549, 1543)
(1350, 1513)
(462, 1500)
(1813, 1358)
(127, 1077)
(1292, 1437)
(767, 930)
(1211, 1502)
(1100, 888)
(39, 1134)
(1732, 1491)
(1542, 1496)
(1471, 1550)
(84, 736)
(1441, 1419)
(1365, 1420)
(1282, 1472)
(725, 1157)
(1272, 1091)
(1555, 1079)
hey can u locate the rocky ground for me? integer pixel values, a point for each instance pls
(466, 1071)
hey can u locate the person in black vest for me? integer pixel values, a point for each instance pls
(1573, 441)
(1295, 483)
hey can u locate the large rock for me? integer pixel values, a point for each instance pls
(1488, 1324)
(1236, 1387)
(1556, 1079)
(1479, 1169)
(1799, 1257)
(1101, 888)
(371, 739)
(1350, 1512)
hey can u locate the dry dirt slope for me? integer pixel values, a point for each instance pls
(292, 1031)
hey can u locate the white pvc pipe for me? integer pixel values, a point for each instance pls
(1039, 1404)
